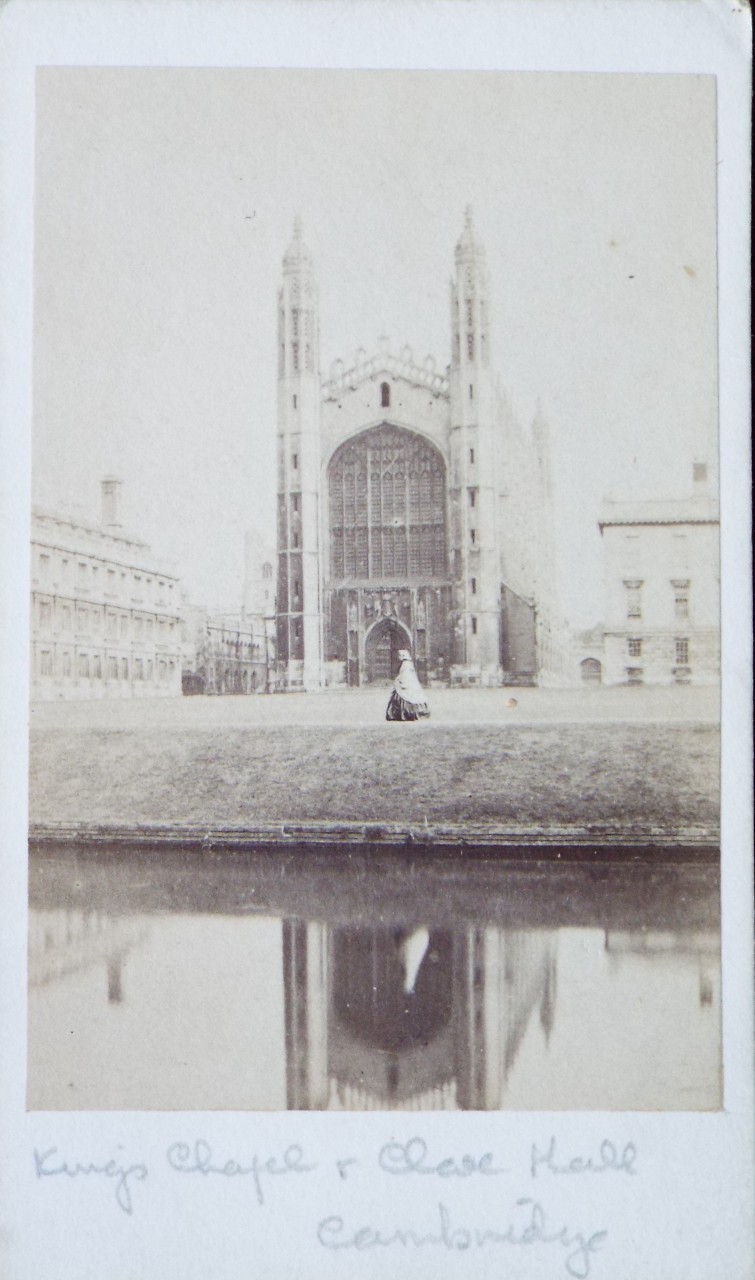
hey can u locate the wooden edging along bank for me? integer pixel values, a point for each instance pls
(590, 843)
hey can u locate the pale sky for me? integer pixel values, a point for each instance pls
(165, 201)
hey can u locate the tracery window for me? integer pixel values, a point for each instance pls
(387, 492)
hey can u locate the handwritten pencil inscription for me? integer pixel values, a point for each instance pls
(526, 1224)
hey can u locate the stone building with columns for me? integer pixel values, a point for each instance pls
(105, 612)
(413, 510)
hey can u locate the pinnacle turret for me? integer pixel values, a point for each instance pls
(468, 247)
(297, 255)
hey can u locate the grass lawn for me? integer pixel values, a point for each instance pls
(623, 778)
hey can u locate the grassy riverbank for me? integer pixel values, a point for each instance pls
(120, 765)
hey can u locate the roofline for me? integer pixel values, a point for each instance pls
(657, 520)
(392, 365)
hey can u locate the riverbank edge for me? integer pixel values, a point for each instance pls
(590, 842)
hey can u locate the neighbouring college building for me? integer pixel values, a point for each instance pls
(104, 611)
(413, 511)
(662, 589)
(225, 652)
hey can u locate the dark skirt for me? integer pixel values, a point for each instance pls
(399, 709)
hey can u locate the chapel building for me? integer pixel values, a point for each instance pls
(413, 511)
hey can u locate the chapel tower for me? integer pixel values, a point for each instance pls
(298, 600)
(475, 558)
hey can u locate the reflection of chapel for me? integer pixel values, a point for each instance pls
(412, 510)
(413, 1019)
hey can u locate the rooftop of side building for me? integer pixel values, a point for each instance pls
(700, 508)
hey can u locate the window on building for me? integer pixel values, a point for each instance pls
(472, 497)
(634, 599)
(471, 391)
(634, 647)
(111, 580)
(471, 456)
(474, 586)
(45, 662)
(474, 626)
(680, 551)
(66, 665)
(138, 668)
(293, 398)
(97, 666)
(631, 552)
(385, 395)
(295, 502)
(470, 346)
(387, 506)
(45, 613)
(473, 536)
(295, 461)
(681, 599)
(65, 617)
(124, 668)
(267, 570)
(44, 566)
(681, 652)
(124, 624)
(83, 666)
(699, 472)
(295, 539)
(82, 573)
(112, 668)
(82, 621)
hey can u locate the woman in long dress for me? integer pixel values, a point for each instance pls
(407, 700)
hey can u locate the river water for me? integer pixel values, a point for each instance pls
(310, 978)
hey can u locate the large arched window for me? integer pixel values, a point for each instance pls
(387, 491)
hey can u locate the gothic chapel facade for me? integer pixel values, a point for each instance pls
(413, 512)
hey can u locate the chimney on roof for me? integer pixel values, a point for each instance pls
(111, 502)
(700, 476)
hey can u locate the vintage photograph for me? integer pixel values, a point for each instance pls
(375, 634)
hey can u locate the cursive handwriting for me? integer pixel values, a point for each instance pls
(411, 1157)
(332, 1233)
(198, 1159)
(111, 1169)
(609, 1157)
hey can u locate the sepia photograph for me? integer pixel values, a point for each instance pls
(374, 592)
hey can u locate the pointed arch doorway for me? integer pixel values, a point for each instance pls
(381, 649)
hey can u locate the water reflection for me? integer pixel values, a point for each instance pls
(268, 982)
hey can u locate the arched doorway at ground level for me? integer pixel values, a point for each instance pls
(591, 670)
(381, 650)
